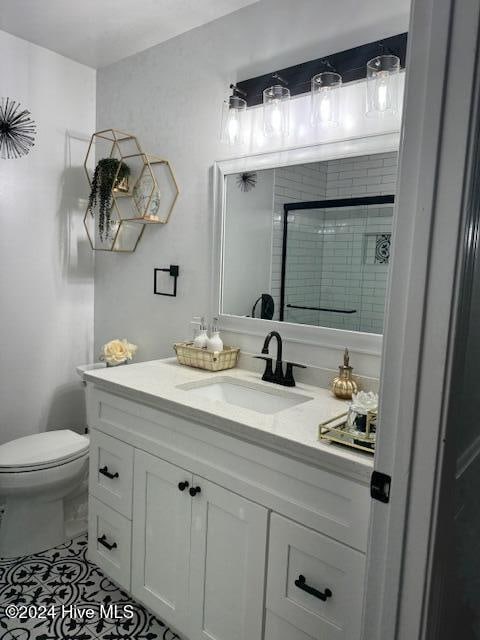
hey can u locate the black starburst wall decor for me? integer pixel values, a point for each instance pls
(17, 130)
(247, 181)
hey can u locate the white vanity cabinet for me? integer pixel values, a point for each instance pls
(223, 539)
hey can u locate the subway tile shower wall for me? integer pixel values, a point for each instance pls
(327, 260)
(362, 176)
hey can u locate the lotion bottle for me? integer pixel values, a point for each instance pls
(201, 339)
(215, 343)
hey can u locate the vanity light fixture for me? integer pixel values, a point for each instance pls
(233, 117)
(323, 78)
(382, 85)
(276, 111)
(325, 99)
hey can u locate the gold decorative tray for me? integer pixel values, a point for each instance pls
(192, 356)
(336, 430)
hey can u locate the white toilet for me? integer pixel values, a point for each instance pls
(43, 486)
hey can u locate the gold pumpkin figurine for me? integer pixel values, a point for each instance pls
(344, 386)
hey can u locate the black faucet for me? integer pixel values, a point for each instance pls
(277, 376)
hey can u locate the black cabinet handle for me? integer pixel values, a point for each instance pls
(107, 545)
(302, 584)
(194, 490)
(183, 485)
(105, 472)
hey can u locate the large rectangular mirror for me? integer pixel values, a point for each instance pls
(310, 243)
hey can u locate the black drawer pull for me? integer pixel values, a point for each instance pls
(105, 472)
(194, 490)
(107, 545)
(301, 584)
(183, 485)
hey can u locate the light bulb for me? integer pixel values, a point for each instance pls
(276, 111)
(382, 95)
(325, 99)
(276, 119)
(233, 120)
(325, 109)
(233, 127)
(382, 85)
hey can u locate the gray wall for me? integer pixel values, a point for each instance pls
(170, 96)
(46, 279)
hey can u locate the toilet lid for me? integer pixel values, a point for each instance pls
(42, 450)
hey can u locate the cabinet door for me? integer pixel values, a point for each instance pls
(161, 537)
(227, 565)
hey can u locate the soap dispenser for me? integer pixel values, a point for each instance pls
(215, 343)
(344, 386)
(201, 339)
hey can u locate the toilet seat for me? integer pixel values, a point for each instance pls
(42, 451)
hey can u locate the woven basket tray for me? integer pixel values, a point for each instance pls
(202, 359)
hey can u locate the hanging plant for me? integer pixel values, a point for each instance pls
(109, 174)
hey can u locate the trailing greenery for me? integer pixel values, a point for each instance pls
(107, 172)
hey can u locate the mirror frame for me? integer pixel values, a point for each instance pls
(360, 342)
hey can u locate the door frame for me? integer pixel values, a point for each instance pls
(416, 362)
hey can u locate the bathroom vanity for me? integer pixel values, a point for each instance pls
(214, 504)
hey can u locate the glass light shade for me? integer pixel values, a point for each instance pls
(233, 120)
(382, 85)
(276, 111)
(325, 99)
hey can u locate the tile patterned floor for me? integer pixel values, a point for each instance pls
(69, 587)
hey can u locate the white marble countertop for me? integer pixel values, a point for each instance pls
(292, 431)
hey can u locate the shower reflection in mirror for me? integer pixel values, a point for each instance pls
(310, 243)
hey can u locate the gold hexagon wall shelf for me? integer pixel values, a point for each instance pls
(154, 193)
(122, 236)
(110, 143)
(147, 197)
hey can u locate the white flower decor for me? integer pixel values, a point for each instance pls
(117, 352)
(363, 402)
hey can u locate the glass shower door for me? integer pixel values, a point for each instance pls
(336, 263)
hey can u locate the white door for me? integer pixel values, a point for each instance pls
(227, 572)
(161, 537)
(442, 74)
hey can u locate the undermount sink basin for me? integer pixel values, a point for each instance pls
(245, 394)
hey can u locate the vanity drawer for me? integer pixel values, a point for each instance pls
(109, 541)
(302, 560)
(111, 472)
